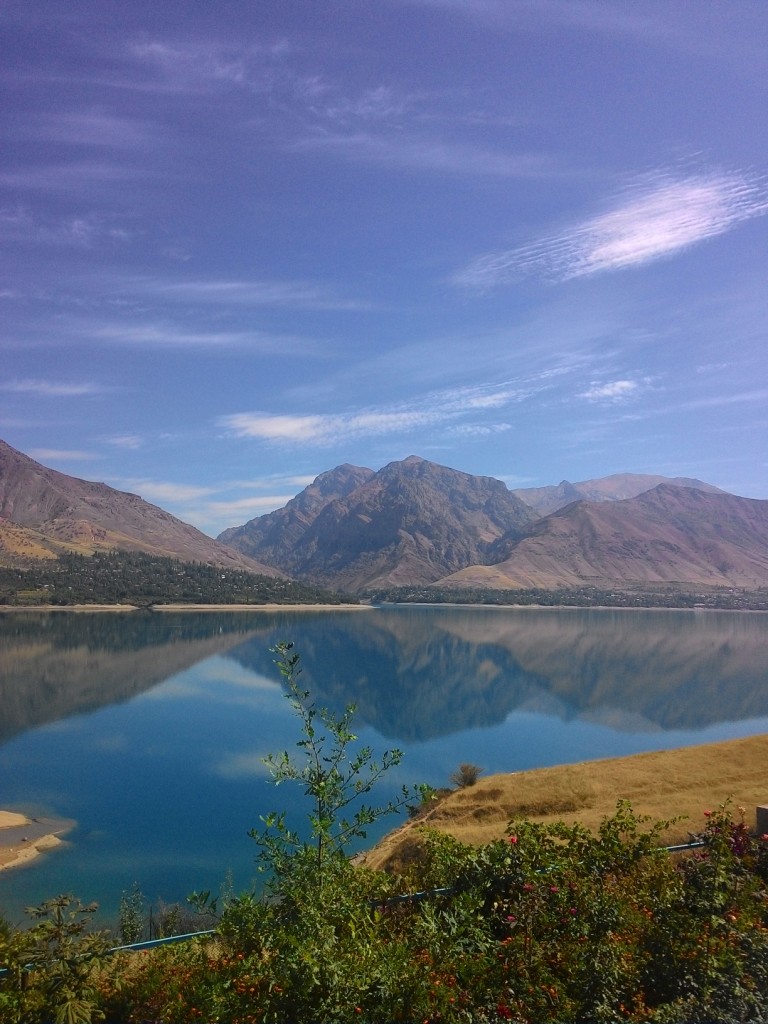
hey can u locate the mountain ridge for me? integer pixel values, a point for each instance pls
(614, 487)
(670, 534)
(415, 523)
(44, 512)
(412, 521)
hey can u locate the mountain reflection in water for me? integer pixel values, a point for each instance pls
(149, 729)
(414, 673)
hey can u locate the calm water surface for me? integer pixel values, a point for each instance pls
(149, 729)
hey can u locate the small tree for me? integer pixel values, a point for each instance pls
(332, 775)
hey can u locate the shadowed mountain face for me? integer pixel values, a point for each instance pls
(273, 537)
(667, 535)
(47, 512)
(418, 673)
(617, 487)
(411, 523)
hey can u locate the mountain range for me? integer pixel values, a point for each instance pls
(415, 523)
(44, 513)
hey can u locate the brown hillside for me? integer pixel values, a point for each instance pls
(410, 523)
(616, 487)
(66, 513)
(667, 535)
(663, 785)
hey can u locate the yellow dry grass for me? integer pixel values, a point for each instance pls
(664, 784)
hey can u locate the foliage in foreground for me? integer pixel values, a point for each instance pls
(551, 924)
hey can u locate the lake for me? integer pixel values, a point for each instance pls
(149, 729)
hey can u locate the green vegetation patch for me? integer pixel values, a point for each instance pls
(135, 578)
(629, 596)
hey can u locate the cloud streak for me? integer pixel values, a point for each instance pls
(657, 217)
(429, 154)
(615, 391)
(281, 294)
(53, 389)
(324, 430)
(62, 455)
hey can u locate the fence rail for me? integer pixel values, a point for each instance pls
(391, 901)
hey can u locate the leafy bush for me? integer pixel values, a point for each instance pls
(550, 924)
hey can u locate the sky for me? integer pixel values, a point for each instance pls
(244, 242)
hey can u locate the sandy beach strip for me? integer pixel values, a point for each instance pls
(22, 839)
(186, 608)
(260, 607)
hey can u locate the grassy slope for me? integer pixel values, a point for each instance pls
(663, 784)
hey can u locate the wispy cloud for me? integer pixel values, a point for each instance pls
(54, 388)
(156, 490)
(324, 430)
(248, 507)
(614, 391)
(656, 217)
(444, 407)
(719, 35)
(79, 177)
(83, 230)
(92, 127)
(128, 442)
(167, 335)
(284, 294)
(434, 154)
(62, 455)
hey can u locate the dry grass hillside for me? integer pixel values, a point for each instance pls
(663, 784)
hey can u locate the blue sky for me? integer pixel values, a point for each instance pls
(245, 242)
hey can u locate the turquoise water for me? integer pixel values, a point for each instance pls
(148, 729)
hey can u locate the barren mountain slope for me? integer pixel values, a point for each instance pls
(412, 522)
(668, 534)
(272, 538)
(79, 515)
(607, 488)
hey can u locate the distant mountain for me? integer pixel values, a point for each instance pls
(43, 512)
(412, 522)
(273, 537)
(670, 534)
(607, 488)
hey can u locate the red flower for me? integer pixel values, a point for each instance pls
(512, 839)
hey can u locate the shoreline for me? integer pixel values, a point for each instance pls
(675, 786)
(23, 839)
(79, 608)
(85, 608)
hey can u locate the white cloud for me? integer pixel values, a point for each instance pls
(656, 217)
(614, 391)
(53, 388)
(242, 766)
(323, 430)
(170, 336)
(130, 442)
(94, 127)
(61, 455)
(288, 294)
(253, 506)
(428, 154)
(431, 410)
(157, 490)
